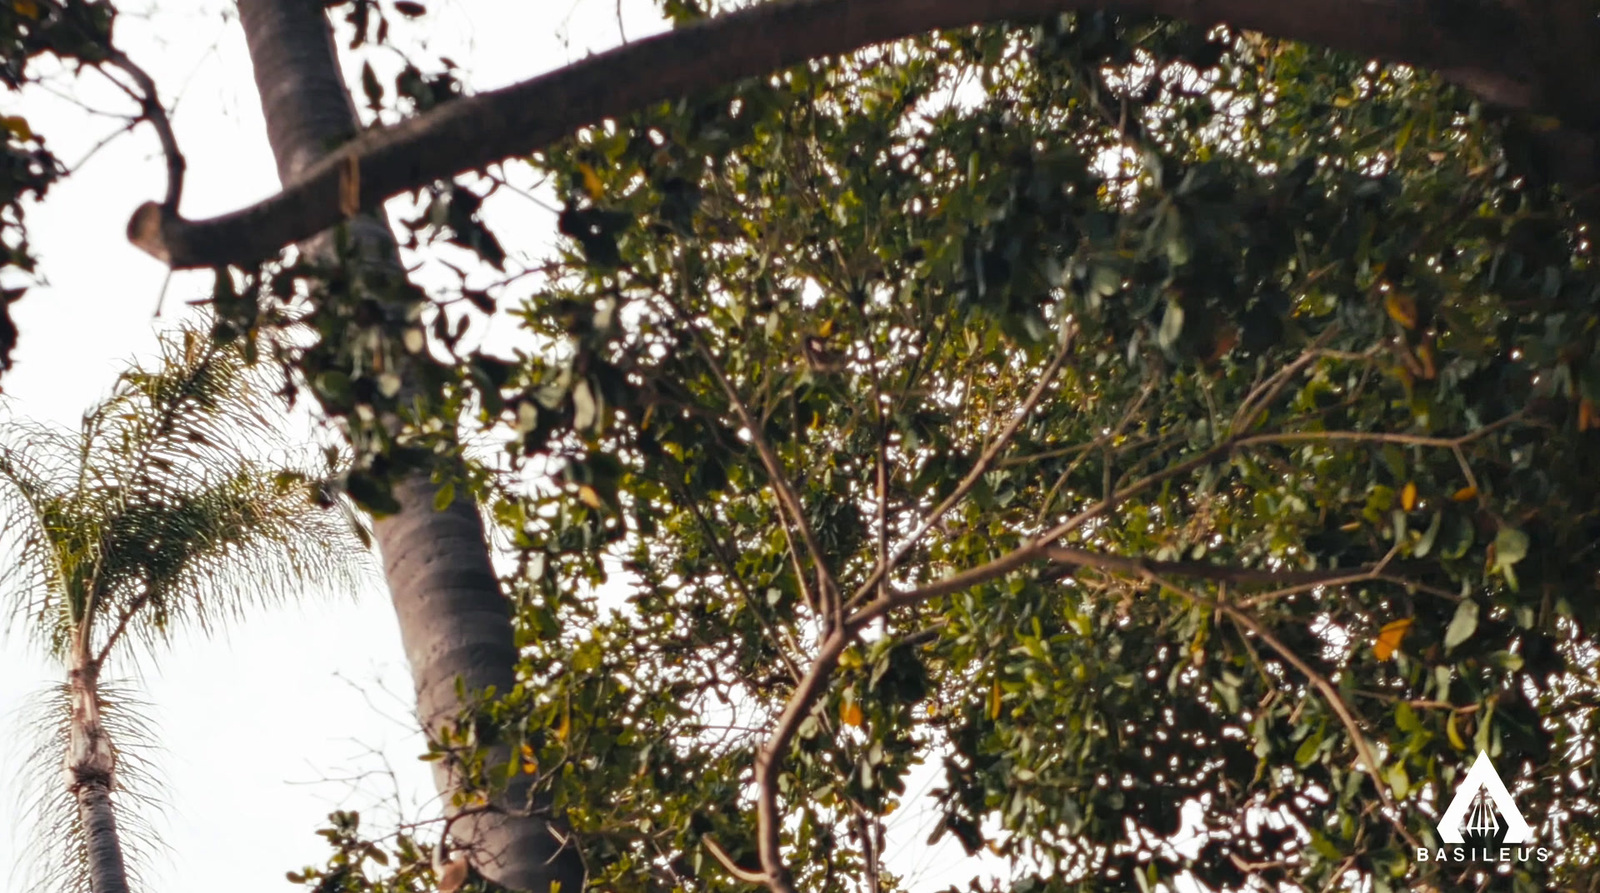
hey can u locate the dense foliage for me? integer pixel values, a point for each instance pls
(1287, 353)
(1184, 439)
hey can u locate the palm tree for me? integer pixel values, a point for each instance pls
(158, 515)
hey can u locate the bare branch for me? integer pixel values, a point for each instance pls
(1296, 581)
(1509, 59)
(733, 868)
(1040, 547)
(769, 759)
(151, 109)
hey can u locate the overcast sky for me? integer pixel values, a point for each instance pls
(269, 727)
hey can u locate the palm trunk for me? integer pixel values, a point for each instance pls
(91, 765)
(454, 621)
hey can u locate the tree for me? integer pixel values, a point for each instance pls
(153, 518)
(453, 618)
(1261, 314)
(1185, 419)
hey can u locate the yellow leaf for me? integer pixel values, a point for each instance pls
(591, 180)
(889, 806)
(826, 328)
(994, 699)
(1390, 637)
(1341, 102)
(1408, 496)
(850, 713)
(28, 9)
(1425, 356)
(18, 125)
(1454, 734)
(530, 760)
(589, 496)
(1465, 494)
(1402, 309)
(564, 727)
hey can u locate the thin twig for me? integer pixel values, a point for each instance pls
(1255, 403)
(975, 474)
(1222, 573)
(1318, 681)
(733, 868)
(787, 500)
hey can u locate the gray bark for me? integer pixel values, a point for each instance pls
(107, 873)
(454, 621)
(1542, 57)
(91, 766)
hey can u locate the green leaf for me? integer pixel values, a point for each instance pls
(1306, 753)
(1462, 625)
(1510, 547)
(1425, 544)
(1171, 325)
(1398, 781)
(445, 496)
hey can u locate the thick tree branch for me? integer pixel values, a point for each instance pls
(1541, 59)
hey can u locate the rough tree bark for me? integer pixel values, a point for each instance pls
(454, 620)
(1533, 55)
(91, 773)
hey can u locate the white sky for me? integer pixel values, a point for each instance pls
(259, 725)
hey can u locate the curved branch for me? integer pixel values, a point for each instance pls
(151, 109)
(1499, 57)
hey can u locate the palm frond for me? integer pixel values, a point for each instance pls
(254, 539)
(37, 479)
(178, 504)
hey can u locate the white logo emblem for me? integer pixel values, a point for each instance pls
(1479, 797)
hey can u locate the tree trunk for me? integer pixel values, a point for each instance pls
(454, 621)
(91, 766)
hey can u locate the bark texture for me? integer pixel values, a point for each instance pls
(91, 767)
(454, 620)
(1534, 55)
(107, 873)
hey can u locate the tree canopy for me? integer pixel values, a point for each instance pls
(1122, 415)
(1181, 436)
